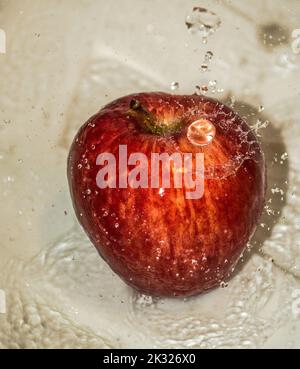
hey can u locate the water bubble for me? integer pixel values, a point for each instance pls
(174, 86)
(201, 132)
(261, 108)
(117, 225)
(202, 22)
(88, 191)
(79, 166)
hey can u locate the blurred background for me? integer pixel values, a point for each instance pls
(60, 62)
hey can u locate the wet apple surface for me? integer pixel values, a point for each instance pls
(157, 239)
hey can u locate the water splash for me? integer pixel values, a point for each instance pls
(258, 126)
(202, 22)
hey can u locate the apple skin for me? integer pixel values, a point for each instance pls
(165, 244)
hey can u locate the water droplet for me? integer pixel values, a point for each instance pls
(208, 56)
(79, 166)
(204, 67)
(223, 284)
(204, 89)
(161, 192)
(201, 132)
(174, 86)
(202, 22)
(117, 225)
(261, 108)
(88, 191)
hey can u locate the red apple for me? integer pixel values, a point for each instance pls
(156, 239)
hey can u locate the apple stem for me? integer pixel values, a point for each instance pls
(146, 120)
(149, 122)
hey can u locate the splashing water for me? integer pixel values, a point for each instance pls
(202, 22)
(259, 125)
